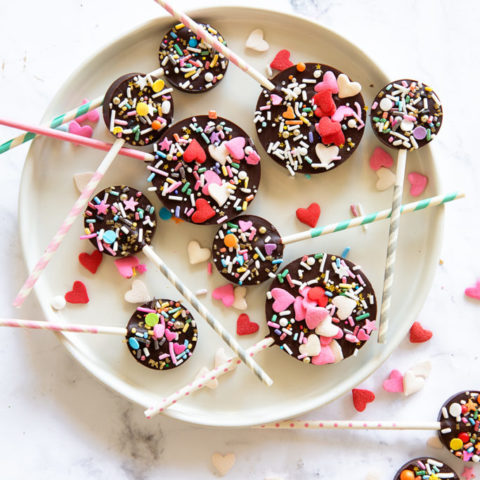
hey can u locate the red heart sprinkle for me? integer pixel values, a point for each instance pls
(418, 334)
(361, 398)
(194, 152)
(245, 326)
(78, 294)
(204, 211)
(281, 61)
(91, 261)
(317, 294)
(380, 158)
(309, 216)
(330, 131)
(325, 104)
(473, 292)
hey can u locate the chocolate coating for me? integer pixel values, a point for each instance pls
(460, 425)
(121, 219)
(406, 114)
(321, 309)
(425, 468)
(190, 64)
(207, 170)
(299, 146)
(142, 111)
(242, 263)
(163, 338)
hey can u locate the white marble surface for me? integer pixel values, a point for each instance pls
(57, 420)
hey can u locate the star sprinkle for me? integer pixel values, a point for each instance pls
(369, 326)
(102, 208)
(467, 473)
(130, 204)
(165, 144)
(141, 82)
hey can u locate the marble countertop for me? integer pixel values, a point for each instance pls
(57, 420)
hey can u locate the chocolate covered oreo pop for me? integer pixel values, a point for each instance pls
(425, 468)
(313, 120)
(207, 171)
(190, 64)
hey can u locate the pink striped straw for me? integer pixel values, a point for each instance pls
(76, 210)
(77, 139)
(348, 425)
(215, 44)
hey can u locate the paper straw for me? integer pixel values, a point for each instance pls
(372, 217)
(349, 425)
(61, 327)
(216, 45)
(76, 210)
(201, 382)
(77, 139)
(392, 247)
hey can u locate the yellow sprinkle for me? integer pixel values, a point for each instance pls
(178, 26)
(245, 182)
(456, 444)
(158, 85)
(185, 328)
(165, 304)
(224, 171)
(219, 76)
(214, 61)
(244, 206)
(117, 130)
(190, 73)
(304, 120)
(241, 269)
(428, 89)
(142, 109)
(170, 180)
(175, 315)
(255, 256)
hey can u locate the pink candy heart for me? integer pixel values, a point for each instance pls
(170, 335)
(178, 349)
(362, 335)
(418, 183)
(276, 99)
(329, 83)
(126, 265)
(77, 129)
(300, 310)
(394, 382)
(244, 226)
(210, 177)
(91, 116)
(282, 298)
(325, 356)
(253, 158)
(314, 316)
(225, 294)
(270, 248)
(380, 158)
(473, 292)
(159, 330)
(235, 147)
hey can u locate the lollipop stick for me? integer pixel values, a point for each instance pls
(392, 246)
(77, 139)
(216, 45)
(349, 425)
(61, 327)
(76, 210)
(372, 217)
(201, 382)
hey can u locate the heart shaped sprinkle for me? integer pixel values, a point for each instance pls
(126, 266)
(300, 309)
(418, 183)
(380, 158)
(312, 347)
(281, 61)
(78, 294)
(170, 336)
(235, 147)
(197, 253)
(325, 154)
(317, 294)
(330, 131)
(77, 129)
(194, 153)
(314, 316)
(240, 302)
(270, 248)
(394, 382)
(289, 114)
(159, 330)
(245, 225)
(473, 292)
(327, 328)
(325, 105)
(255, 41)
(386, 179)
(309, 216)
(203, 211)
(361, 398)
(91, 116)
(91, 261)
(219, 193)
(212, 384)
(225, 294)
(276, 99)
(210, 177)
(178, 349)
(418, 334)
(219, 154)
(253, 158)
(283, 299)
(81, 180)
(344, 306)
(223, 463)
(328, 83)
(412, 383)
(346, 88)
(138, 293)
(245, 326)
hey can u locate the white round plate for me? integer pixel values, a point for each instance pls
(47, 193)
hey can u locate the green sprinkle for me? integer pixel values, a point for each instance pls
(361, 317)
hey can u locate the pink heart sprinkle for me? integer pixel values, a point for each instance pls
(362, 335)
(300, 310)
(329, 83)
(210, 177)
(282, 298)
(473, 292)
(394, 382)
(125, 266)
(270, 247)
(325, 356)
(380, 158)
(253, 158)
(170, 335)
(91, 116)
(178, 349)
(244, 226)
(276, 99)
(159, 330)
(77, 129)
(418, 183)
(314, 316)
(235, 147)
(225, 294)
(324, 341)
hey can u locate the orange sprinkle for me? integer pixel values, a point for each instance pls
(230, 240)
(293, 122)
(301, 67)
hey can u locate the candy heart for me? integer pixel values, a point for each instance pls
(418, 334)
(138, 293)
(77, 129)
(361, 398)
(422, 369)
(325, 105)
(473, 292)
(346, 88)
(256, 42)
(196, 253)
(245, 326)
(253, 158)
(245, 225)
(210, 177)
(362, 335)
(312, 347)
(212, 384)
(235, 147)
(418, 183)
(270, 248)
(170, 336)
(386, 179)
(78, 294)
(325, 154)
(126, 266)
(282, 298)
(327, 328)
(412, 383)
(91, 261)
(344, 306)
(380, 158)
(219, 193)
(203, 211)
(159, 330)
(225, 294)
(289, 114)
(300, 310)
(309, 216)
(240, 303)
(219, 153)
(281, 60)
(314, 316)
(194, 153)
(276, 99)
(81, 180)
(332, 353)
(394, 382)
(91, 116)
(178, 349)
(330, 131)
(223, 463)
(220, 357)
(317, 294)
(328, 83)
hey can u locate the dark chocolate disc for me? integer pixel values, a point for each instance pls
(247, 250)
(162, 334)
(313, 120)
(206, 170)
(406, 114)
(321, 308)
(460, 425)
(190, 64)
(425, 468)
(138, 108)
(119, 221)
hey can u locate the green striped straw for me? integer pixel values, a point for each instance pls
(372, 217)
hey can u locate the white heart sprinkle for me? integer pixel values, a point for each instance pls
(344, 306)
(256, 42)
(219, 153)
(211, 384)
(346, 88)
(411, 383)
(138, 293)
(81, 180)
(240, 303)
(312, 347)
(219, 193)
(220, 357)
(223, 463)
(326, 155)
(197, 253)
(386, 179)
(58, 302)
(326, 328)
